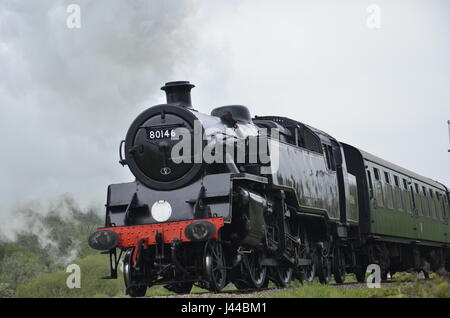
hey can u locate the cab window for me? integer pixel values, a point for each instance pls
(328, 150)
(312, 142)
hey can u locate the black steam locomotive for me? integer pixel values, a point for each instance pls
(226, 198)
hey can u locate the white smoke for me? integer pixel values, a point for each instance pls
(67, 96)
(56, 225)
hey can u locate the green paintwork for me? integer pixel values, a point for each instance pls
(396, 211)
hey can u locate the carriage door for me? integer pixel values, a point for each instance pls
(446, 215)
(414, 210)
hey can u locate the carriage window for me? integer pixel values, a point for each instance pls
(386, 177)
(417, 187)
(376, 173)
(369, 177)
(396, 181)
(424, 191)
(405, 184)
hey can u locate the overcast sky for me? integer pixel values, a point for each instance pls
(67, 96)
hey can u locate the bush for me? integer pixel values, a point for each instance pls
(92, 268)
(403, 277)
(20, 267)
(6, 291)
(438, 287)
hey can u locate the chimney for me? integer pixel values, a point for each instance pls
(178, 93)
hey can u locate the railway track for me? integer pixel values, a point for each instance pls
(243, 293)
(248, 293)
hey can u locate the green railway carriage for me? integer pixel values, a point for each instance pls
(400, 211)
(398, 202)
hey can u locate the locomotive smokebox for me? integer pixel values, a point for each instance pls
(178, 93)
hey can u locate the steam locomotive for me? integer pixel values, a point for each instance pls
(227, 198)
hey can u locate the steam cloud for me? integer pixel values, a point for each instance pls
(55, 229)
(67, 96)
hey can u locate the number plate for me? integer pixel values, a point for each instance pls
(160, 133)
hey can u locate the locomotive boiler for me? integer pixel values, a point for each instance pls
(230, 198)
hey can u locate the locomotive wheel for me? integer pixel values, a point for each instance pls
(281, 275)
(308, 272)
(323, 267)
(131, 277)
(311, 270)
(180, 288)
(257, 274)
(215, 266)
(240, 284)
(250, 274)
(338, 265)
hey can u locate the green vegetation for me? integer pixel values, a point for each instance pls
(92, 268)
(404, 285)
(49, 240)
(54, 285)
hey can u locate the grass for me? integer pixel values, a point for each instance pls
(317, 290)
(404, 285)
(159, 290)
